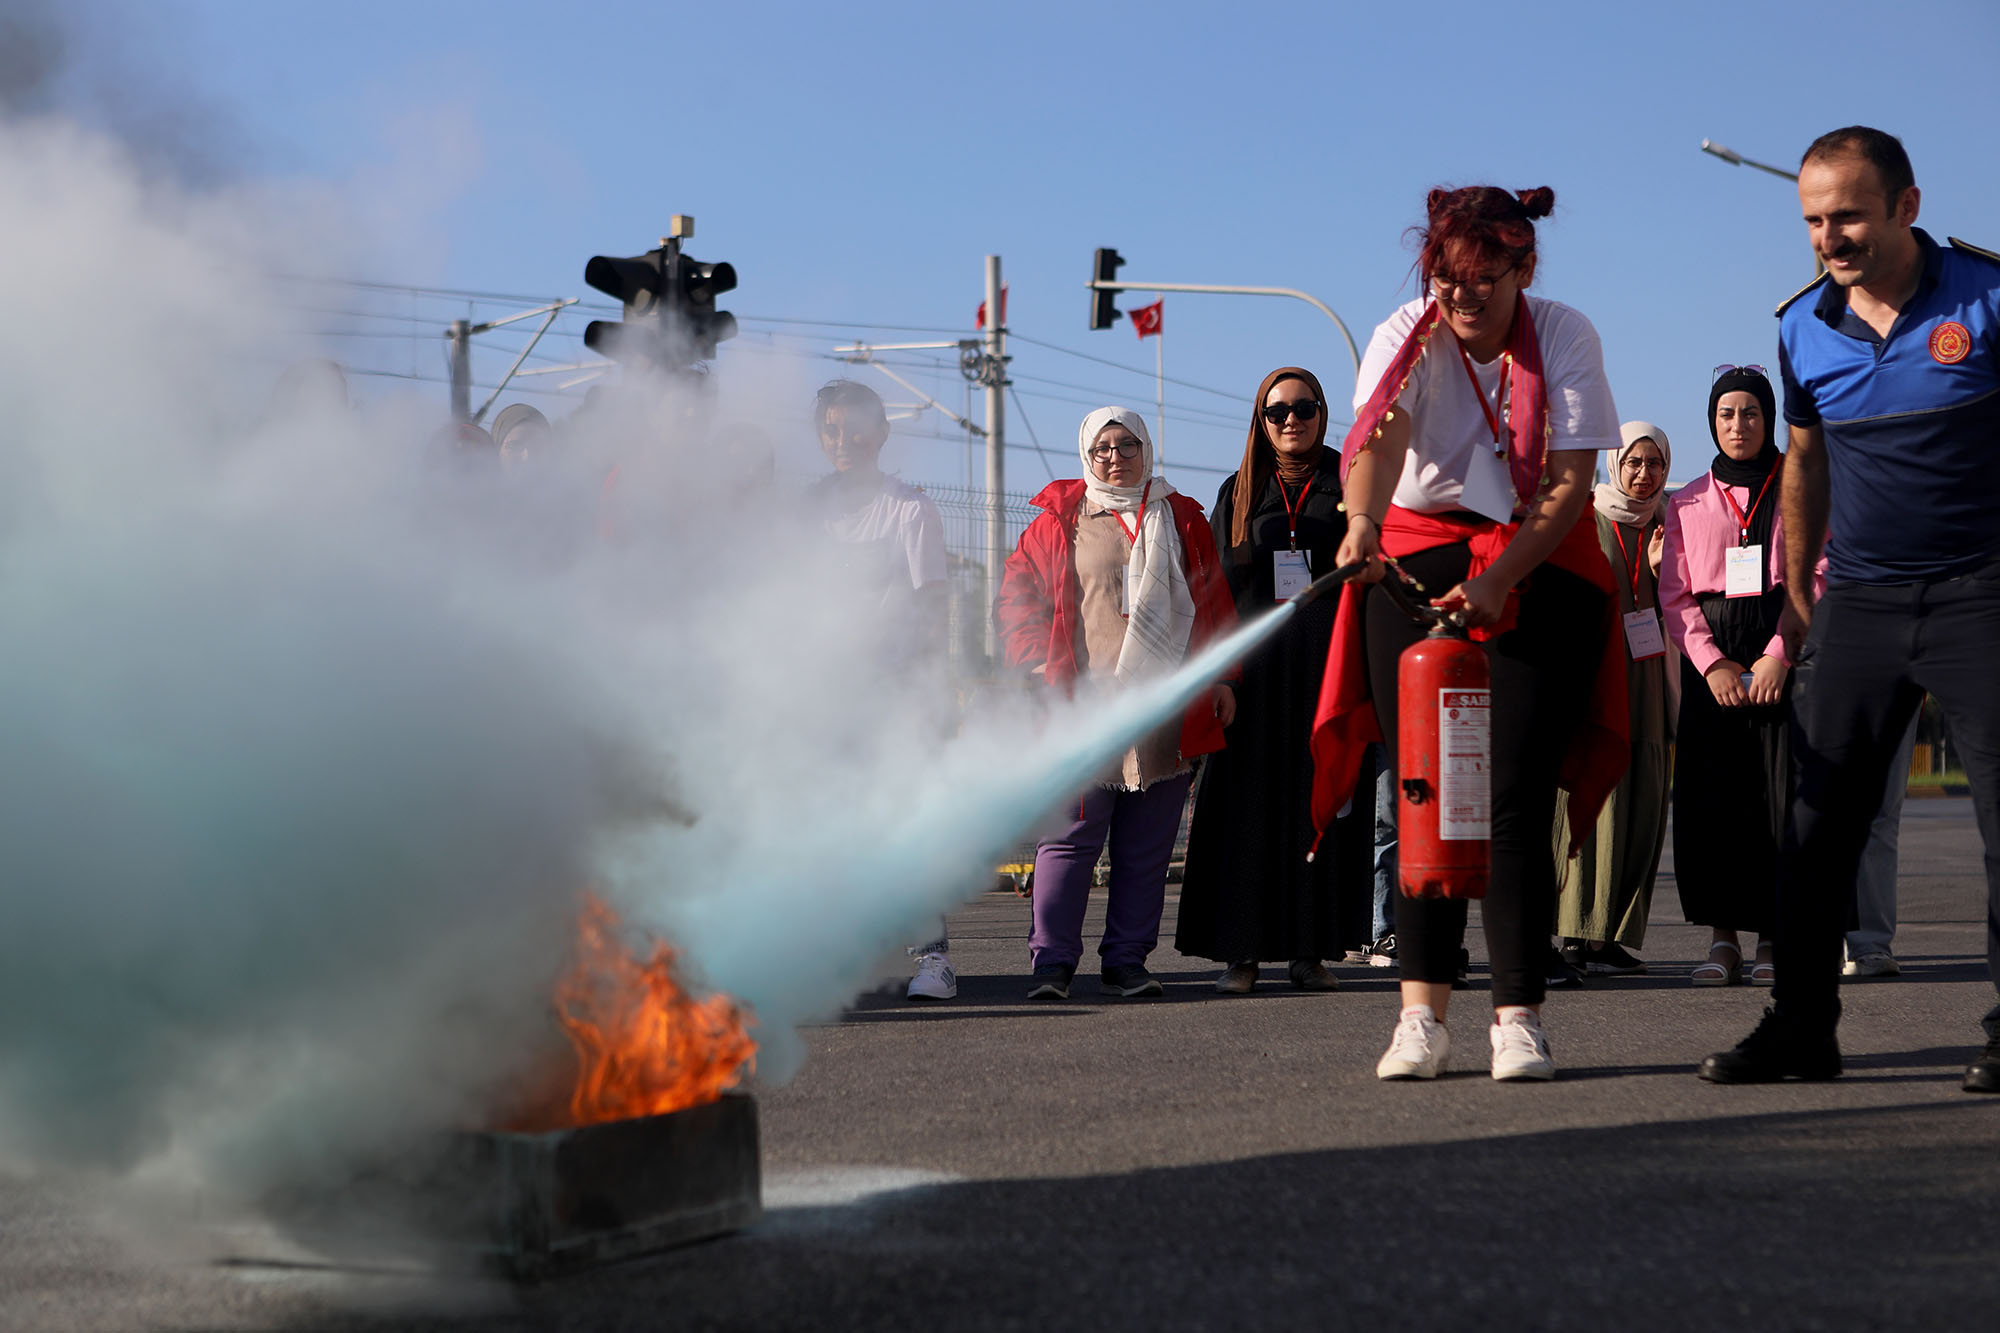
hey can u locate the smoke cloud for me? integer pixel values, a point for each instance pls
(312, 729)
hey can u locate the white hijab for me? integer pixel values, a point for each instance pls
(1613, 500)
(1160, 618)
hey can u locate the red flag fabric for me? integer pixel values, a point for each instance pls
(979, 320)
(1148, 320)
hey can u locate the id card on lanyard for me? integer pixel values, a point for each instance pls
(1644, 635)
(1290, 574)
(1743, 563)
(1489, 481)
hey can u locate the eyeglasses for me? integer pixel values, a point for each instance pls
(1636, 464)
(1278, 413)
(1125, 448)
(1722, 370)
(1477, 288)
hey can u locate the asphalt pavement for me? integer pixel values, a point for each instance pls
(1207, 1162)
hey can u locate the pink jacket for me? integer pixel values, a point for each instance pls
(1700, 527)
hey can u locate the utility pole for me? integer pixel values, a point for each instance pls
(460, 334)
(994, 377)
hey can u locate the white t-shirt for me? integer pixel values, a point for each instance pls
(1447, 426)
(897, 537)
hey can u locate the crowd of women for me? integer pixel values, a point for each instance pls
(1620, 625)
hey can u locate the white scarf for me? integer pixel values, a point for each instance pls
(1160, 607)
(1613, 501)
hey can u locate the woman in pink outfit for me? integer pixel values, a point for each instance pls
(1721, 585)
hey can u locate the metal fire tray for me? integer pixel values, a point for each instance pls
(555, 1201)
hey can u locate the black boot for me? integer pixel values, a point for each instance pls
(1777, 1049)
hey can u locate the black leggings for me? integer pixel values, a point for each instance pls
(1542, 674)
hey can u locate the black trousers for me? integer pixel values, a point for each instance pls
(1542, 672)
(1873, 652)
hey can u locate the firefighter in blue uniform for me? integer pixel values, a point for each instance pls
(1891, 369)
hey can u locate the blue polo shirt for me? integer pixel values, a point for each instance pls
(1911, 421)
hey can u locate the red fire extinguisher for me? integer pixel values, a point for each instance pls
(1444, 749)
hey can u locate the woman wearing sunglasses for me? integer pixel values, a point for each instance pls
(1249, 895)
(1114, 583)
(1480, 412)
(1607, 888)
(1722, 584)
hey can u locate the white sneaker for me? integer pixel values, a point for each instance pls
(1521, 1048)
(1420, 1047)
(934, 980)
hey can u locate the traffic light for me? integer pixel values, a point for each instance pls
(1103, 304)
(640, 285)
(669, 298)
(706, 326)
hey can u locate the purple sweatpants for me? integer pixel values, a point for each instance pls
(1141, 825)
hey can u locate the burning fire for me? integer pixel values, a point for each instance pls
(644, 1046)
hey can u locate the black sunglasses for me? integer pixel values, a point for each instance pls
(1278, 413)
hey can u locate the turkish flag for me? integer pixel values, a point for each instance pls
(1149, 320)
(979, 320)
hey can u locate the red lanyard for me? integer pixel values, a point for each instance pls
(1494, 413)
(1743, 519)
(1132, 533)
(1291, 511)
(1633, 559)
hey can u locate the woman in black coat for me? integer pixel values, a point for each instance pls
(1249, 895)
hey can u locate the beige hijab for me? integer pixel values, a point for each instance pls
(1161, 617)
(1613, 500)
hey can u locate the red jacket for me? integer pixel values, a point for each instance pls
(1039, 628)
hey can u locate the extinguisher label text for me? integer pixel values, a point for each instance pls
(1465, 763)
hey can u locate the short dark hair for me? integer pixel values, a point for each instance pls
(846, 393)
(1882, 149)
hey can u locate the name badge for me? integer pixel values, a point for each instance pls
(1743, 571)
(1643, 636)
(1489, 487)
(1289, 575)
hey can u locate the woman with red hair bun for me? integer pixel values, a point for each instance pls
(1479, 414)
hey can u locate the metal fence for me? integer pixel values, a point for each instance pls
(964, 511)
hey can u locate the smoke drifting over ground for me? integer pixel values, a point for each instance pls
(311, 730)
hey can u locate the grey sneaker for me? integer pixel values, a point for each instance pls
(1872, 965)
(1130, 982)
(1052, 983)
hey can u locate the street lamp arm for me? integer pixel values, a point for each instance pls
(1123, 285)
(1736, 159)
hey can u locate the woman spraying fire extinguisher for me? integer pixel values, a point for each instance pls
(1480, 412)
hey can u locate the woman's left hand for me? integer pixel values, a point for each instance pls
(1478, 598)
(1656, 548)
(1767, 680)
(1224, 704)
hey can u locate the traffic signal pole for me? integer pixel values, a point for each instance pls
(995, 379)
(1114, 285)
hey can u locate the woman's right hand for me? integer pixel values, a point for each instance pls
(1362, 546)
(1725, 682)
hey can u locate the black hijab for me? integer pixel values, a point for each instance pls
(1751, 472)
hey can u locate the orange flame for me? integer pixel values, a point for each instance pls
(644, 1046)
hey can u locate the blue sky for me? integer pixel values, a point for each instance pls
(856, 162)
